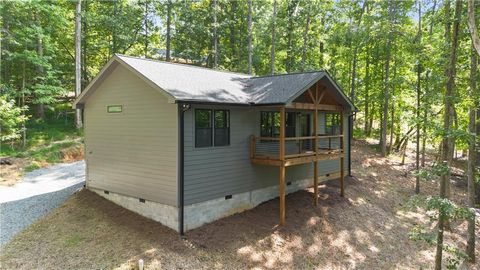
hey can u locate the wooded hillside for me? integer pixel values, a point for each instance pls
(409, 66)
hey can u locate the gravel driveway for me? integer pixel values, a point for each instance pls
(40, 192)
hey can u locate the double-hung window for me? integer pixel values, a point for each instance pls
(212, 128)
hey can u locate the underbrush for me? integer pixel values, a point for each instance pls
(49, 141)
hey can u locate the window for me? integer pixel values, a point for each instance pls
(114, 109)
(212, 128)
(222, 128)
(203, 128)
(270, 124)
(332, 123)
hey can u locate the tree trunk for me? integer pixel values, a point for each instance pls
(305, 42)
(78, 57)
(40, 108)
(145, 22)
(472, 156)
(250, 37)
(383, 140)
(274, 30)
(472, 27)
(84, 47)
(233, 33)
(291, 7)
(169, 26)
(114, 29)
(215, 36)
(367, 88)
(449, 94)
(419, 72)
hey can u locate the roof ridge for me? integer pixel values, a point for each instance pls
(185, 65)
(285, 74)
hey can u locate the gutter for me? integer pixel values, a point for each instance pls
(182, 108)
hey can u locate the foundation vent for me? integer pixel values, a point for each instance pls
(289, 183)
(228, 197)
(141, 200)
(106, 192)
(327, 175)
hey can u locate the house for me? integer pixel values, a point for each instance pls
(186, 145)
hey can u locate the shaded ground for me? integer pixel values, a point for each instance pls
(366, 230)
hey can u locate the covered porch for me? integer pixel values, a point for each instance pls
(311, 145)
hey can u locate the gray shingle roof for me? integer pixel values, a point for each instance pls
(197, 84)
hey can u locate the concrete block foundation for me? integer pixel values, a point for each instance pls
(198, 214)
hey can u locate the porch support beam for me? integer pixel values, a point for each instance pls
(342, 159)
(282, 166)
(315, 163)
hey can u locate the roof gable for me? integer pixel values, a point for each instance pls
(187, 83)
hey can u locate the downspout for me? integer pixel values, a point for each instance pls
(182, 108)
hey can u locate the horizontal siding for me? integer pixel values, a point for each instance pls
(215, 172)
(134, 152)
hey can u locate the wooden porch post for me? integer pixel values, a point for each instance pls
(342, 158)
(282, 166)
(315, 143)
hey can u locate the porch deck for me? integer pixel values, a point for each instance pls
(298, 150)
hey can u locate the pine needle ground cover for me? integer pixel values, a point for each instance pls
(373, 227)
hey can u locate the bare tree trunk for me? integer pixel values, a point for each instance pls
(305, 42)
(449, 94)
(84, 46)
(472, 27)
(419, 72)
(24, 129)
(40, 108)
(291, 7)
(78, 57)
(215, 35)
(169, 26)
(367, 88)
(145, 22)
(472, 156)
(274, 30)
(250, 37)
(383, 140)
(233, 33)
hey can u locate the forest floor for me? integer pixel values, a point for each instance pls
(48, 142)
(371, 228)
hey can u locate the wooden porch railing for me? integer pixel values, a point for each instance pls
(269, 147)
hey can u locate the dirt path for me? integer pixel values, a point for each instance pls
(366, 230)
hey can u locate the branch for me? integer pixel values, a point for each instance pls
(472, 27)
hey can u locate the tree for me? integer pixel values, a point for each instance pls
(78, 61)
(419, 72)
(449, 95)
(472, 152)
(274, 30)
(169, 26)
(250, 37)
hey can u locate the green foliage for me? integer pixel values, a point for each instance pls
(11, 119)
(431, 173)
(448, 208)
(420, 233)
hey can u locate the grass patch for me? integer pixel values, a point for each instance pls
(73, 240)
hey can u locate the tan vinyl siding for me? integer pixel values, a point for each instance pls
(134, 152)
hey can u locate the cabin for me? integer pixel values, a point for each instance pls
(185, 145)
